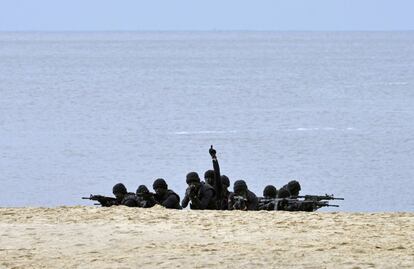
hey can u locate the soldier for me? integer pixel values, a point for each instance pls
(283, 193)
(267, 202)
(126, 198)
(242, 198)
(285, 203)
(165, 197)
(144, 197)
(122, 197)
(200, 194)
(293, 187)
(213, 178)
(225, 181)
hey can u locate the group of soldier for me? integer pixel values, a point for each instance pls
(213, 194)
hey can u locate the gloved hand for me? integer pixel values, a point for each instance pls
(212, 152)
(188, 192)
(192, 191)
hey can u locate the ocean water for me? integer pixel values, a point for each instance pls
(80, 112)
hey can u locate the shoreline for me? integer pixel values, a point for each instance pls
(121, 237)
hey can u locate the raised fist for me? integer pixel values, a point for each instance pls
(212, 152)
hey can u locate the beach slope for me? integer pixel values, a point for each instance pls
(121, 237)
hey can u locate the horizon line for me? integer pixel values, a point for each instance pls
(189, 30)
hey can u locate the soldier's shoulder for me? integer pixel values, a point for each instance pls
(171, 192)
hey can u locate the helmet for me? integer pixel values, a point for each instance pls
(192, 177)
(283, 193)
(209, 174)
(239, 185)
(160, 184)
(225, 180)
(293, 187)
(142, 189)
(119, 188)
(270, 191)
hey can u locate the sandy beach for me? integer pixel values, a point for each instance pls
(120, 237)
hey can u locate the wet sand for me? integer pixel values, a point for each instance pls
(120, 237)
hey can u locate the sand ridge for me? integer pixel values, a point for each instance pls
(121, 237)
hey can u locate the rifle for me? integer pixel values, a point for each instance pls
(240, 203)
(103, 200)
(145, 195)
(317, 197)
(146, 199)
(292, 204)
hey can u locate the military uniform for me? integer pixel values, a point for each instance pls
(201, 194)
(165, 197)
(242, 198)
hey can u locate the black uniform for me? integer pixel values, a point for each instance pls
(144, 197)
(165, 197)
(250, 201)
(200, 194)
(242, 198)
(225, 194)
(122, 197)
(293, 187)
(268, 202)
(130, 200)
(168, 200)
(213, 178)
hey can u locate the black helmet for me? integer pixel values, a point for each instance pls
(192, 177)
(119, 188)
(225, 180)
(159, 184)
(142, 189)
(283, 193)
(239, 185)
(209, 174)
(270, 191)
(293, 187)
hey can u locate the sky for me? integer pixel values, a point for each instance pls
(206, 15)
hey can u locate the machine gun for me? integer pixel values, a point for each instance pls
(317, 197)
(292, 204)
(103, 200)
(287, 204)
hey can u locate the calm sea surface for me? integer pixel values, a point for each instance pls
(80, 112)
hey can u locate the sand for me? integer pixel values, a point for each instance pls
(121, 237)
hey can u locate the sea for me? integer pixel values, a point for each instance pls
(82, 111)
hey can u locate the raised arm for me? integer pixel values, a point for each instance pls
(218, 186)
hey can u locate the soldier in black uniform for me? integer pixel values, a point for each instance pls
(225, 181)
(213, 178)
(283, 193)
(293, 187)
(268, 202)
(242, 198)
(122, 197)
(145, 198)
(200, 194)
(165, 197)
(285, 203)
(126, 198)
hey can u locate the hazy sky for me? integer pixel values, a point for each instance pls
(77, 15)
